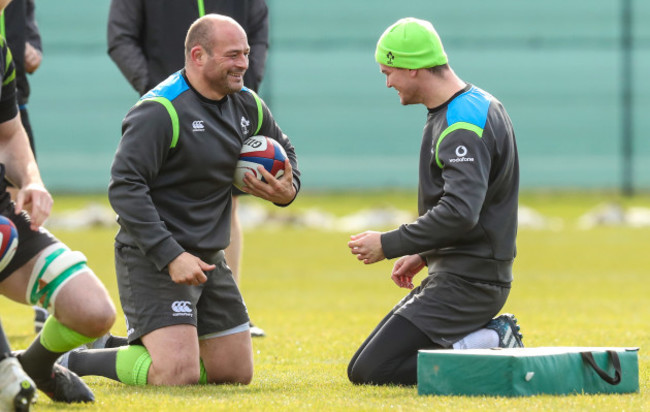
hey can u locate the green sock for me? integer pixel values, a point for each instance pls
(132, 364)
(56, 337)
(203, 378)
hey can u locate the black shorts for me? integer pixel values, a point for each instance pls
(447, 307)
(30, 242)
(151, 300)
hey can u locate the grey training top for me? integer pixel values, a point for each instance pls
(172, 173)
(468, 191)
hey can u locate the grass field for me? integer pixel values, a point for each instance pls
(573, 287)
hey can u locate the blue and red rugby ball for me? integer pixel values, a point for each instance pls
(8, 241)
(256, 151)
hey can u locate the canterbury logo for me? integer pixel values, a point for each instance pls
(197, 126)
(182, 306)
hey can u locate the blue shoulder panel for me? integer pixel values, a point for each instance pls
(470, 107)
(170, 88)
(164, 93)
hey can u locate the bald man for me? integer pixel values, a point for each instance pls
(171, 188)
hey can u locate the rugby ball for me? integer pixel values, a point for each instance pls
(256, 151)
(8, 241)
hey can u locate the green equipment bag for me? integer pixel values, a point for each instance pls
(528, 371)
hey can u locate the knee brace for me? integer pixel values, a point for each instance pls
(55, 266)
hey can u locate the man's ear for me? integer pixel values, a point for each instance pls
(197, 54)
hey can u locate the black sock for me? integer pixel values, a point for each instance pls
(116, 342)
(96, 362)
(38, 361)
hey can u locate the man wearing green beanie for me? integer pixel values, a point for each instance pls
(465, 235)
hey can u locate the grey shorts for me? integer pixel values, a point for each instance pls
(447, 307)
(151, 300)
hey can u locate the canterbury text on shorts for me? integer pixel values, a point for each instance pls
(151, 300)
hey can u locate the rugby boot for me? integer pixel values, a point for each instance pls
(40, 316)
(63, 385)
(256, 331)
(506, 327)
(17, 390)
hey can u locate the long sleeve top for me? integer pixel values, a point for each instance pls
(172, 174)
(468, 191)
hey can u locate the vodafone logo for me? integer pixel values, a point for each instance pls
(182, 308)
(461, 152)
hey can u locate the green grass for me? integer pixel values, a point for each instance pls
(573, 287)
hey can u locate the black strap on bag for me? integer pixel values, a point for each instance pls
(612, 380)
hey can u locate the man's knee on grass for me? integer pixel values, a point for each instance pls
(134, 366)
(361, 372)
(241, 376)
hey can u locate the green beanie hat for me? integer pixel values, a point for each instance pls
(410, 43)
